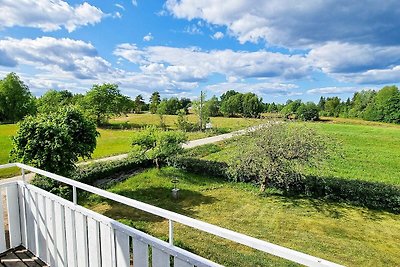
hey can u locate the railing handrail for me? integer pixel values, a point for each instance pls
(252, 242)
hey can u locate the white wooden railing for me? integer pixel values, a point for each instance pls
(62, 233)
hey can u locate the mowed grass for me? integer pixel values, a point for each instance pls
(113, 142)
(336, 232)
(370, 151)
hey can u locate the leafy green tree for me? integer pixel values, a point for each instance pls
(360, 102)
(184, 104)
(139, 103)
(212, 107)
(102, 102)
(228, 94)
(16, 101)
(183, 123)
(385, 106)
(290, 109)
(321, 103)
(308, 112)
(155, 100)
(55, 141)
(252, 106)
(272, 108)
(332, 106)
(232, 106)
(275, 154)
(157, 145)
(53, 100)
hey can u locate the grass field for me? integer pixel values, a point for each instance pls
(115, 141)
(371, 151)
(340, 233)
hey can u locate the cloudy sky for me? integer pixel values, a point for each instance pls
(279, 49)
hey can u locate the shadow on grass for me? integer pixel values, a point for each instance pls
(157, 196)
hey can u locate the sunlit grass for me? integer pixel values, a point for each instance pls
(337, 232)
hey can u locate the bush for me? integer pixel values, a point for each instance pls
(371, 195)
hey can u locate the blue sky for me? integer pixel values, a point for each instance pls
(279, 49)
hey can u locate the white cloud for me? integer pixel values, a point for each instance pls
(148, 37)
(193, 64)
(65, 55)
(48, 15)
(193, 29)
(333, 90)
(262, 88)
(218, 35)
(134, 2)
(293, 23)
(117, 15)
(120, 6)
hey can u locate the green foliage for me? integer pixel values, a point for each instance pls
(274, 153)
(90, 173)
(202, 167)
(103, 101)
(183, 123)
(139, 104)
(202, 110)
(252, 105)
(55, 141)
(232, 105)
(169, 106)
(53, 100)
(290, 110)
(155, 100)
(211, 107)
(159, 146)
(308, 112)
(16, 101)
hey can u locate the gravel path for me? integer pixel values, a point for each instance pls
(189, 144)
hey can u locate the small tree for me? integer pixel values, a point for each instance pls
(274, 154)
(53, 100)
(16, 101)
(154, 102)
(201, 110)
(55, 141)
(157, 145)
(139, 103)
(308, 112)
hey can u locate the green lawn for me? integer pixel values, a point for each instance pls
(337, 232)
(114, 142)
(371, 151)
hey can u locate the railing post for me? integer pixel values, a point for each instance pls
(171, 232)
(23, 175)
(74, 195)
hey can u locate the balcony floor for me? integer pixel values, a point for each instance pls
(20, 256)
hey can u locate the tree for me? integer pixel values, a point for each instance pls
(212, 107)
(199, 109)
(225, 96)
(55, 141)
(53, 100)
(272, 108)
(232, 106)
(185, 104)
(139, 103)
(308, 112)
(290, 109)
(103, 101)
(155, 100)
(332, 106)
(274, 154)
(385, 106)
(252, 106)
(157, 145)
(16, 101)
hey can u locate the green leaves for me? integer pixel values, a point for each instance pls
(55, 141)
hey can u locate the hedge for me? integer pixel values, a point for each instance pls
(372, 195)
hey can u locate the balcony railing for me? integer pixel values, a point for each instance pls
(62, 233)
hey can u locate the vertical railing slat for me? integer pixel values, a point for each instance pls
(3, 246)
(50, 235)
(159, 258)
(181, 263)
(122, 249)
(70, 237)
(42, 229)
(81, 239)
(22, 213)
(13, 215)
(31, 218)
(140, 254)
(60, 232)
(94, 243)
(106, 245)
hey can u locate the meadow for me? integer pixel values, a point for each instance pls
(337, 232)
(115, 138)
(368, 151)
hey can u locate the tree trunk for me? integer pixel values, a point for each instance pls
(157, 163)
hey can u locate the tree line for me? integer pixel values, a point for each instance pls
(106, 100)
